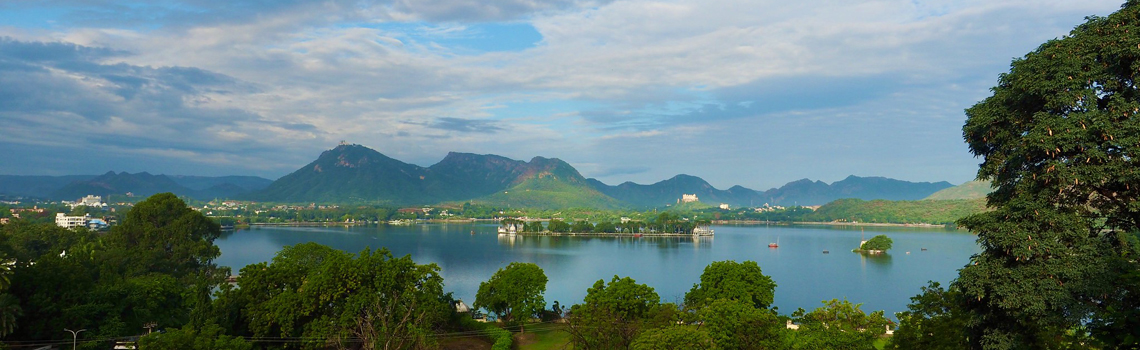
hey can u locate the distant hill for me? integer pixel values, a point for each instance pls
(667, 192)
(72, 187)
(807, 192)
(970, 190)
(141, 184)
(37, 186)
(800, 192)
(354, 173)
(550, 184)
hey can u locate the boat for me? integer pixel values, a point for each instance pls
(776, 244)
(636, 235)
(826, 252)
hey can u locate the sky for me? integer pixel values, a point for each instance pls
(754, 93)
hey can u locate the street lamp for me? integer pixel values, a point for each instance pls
(74, 335)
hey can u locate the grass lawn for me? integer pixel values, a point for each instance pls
(881, 342)
(550, 336)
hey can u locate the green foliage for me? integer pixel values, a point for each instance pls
(156, 266)
(1060, 139)
(330, 298)
(838, 325)
(559, 226)
(732, 324)
(672, 337)
(606, 227)
(208, 337)
(933, 320)
(164, 235)
(977, 189)
(514, 293)
(501, 339)
(614, 314)
(880, 242)
(550, 193)
(730, 280)
(582, 226)
(533, 226)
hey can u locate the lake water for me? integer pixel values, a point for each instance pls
(803, 274)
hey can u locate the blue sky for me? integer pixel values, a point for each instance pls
(752, 93)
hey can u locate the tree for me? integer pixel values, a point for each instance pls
(933, 320)
(514, 293)
(556, 225)
(880, 242)
(209, 337)
(582, 226)
(838, 325)
(730, 280)
(606, 227)
(614, 314)
(1060, 139)
(164, 235)
(332, 299)
(733, 324)
(672, 337)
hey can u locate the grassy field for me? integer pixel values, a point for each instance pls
(551, 336)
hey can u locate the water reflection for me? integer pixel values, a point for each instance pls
(876, 260)
(670, 265)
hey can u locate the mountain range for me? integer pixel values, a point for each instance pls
(357, 174)
(142, 184)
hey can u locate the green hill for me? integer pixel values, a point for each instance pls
(898, 212)
(970, 190)
(548, 193)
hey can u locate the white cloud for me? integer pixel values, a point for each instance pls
(316, 73)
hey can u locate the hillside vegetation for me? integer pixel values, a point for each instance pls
(937, 212)
(971, 190)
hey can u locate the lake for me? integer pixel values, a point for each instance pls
(804, 275)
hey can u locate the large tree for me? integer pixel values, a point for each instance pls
(514, 293)
(330, 298)
(614, 314)
(838, 325)
(731, 280)
(1059, 138)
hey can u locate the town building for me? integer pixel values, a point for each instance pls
(91, 201)
(724, 206)
(688, 198)
(68, 221)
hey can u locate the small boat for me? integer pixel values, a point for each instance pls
(775, 245)
(636, 235)
(827, 252)
(924, 249)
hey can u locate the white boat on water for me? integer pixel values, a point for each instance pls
(703, 231)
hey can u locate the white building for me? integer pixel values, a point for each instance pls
(66, 221)
(688, 198)
(724, 206)
(91, 201)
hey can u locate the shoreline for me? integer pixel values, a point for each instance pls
(612, 234)
(823, 223)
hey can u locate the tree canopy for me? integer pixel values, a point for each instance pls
(514, 293)
(733, 281)
(880, 242)
(1059, 138)
(614, 314)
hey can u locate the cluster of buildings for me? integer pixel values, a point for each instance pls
(73, 221)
